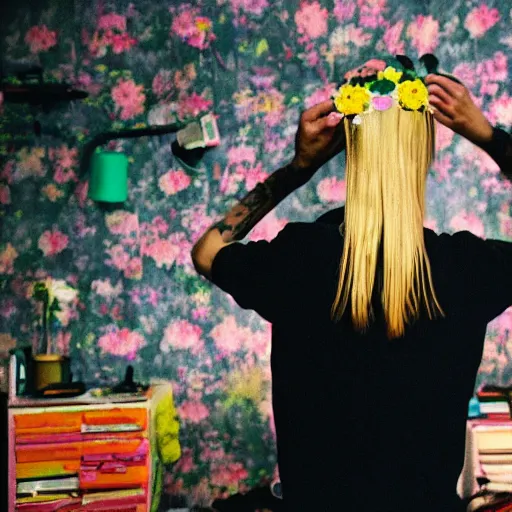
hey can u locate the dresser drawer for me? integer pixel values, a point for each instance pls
(74, 451)
(106, 420)
(48, 423)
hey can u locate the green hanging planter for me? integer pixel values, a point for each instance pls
(109, 177)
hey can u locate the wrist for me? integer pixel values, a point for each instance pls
(484, 137)
(301, 166)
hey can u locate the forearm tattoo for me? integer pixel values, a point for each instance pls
(258, 202)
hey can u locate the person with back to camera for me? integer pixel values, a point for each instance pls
(378, 323)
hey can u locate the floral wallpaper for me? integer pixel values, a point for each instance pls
(256, 64)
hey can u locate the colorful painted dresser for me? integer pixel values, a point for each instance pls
(80, 455)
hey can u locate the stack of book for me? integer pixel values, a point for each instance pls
(494, 443)
(495, 402)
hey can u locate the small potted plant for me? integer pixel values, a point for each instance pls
(56, 299)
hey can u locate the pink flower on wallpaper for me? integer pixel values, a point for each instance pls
(193, 29)
(323, 94)
(312, 58)
(431, 224)
(192, 105)
(7, 258)
(465, 221)
(500, 69)
(311, 19)
(174, 181)
(227, 474)
(253, 176)
(7, 171)
(275, 117)
(118, 257)
(490, 71)
(371, 12)
(259, 343)
(480, 19)
(65, 157)
(52, 242)
(331, 190)
(210, 453)
(492, 185)
(63, 175)
(424, 33)
(505, 221)
(112, 21)
(263, 77)
(81, 190)
(162, 83)
(183, 246)
(121, 42)
(504, 327)
(465, 72)
(183, 78)
(442, 167)
(201, 313)
(122, 343)
(5, 194)
(358, 37)
(344, 10)
(392, 39)
(105, 289)
(121, 222)
(129, 98)
(184, 465)
(268, 228)
(444, 137)
(256, 7)
(500, 110)
(241, 154)
(162, 251)
(196, 221)
(228, 336)
(40, 38)
(193, 411)
(182, 335)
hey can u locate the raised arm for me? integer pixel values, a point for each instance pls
(455, 109)
(319, 138)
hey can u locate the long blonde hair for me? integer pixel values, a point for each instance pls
(387, 159)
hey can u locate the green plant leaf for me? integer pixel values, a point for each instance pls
(408, 75)
(383, 86)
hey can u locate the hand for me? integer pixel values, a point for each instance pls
(370, 67)
(319, 136)
(454, 108)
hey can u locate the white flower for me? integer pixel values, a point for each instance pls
(105, 289)
(339, 41)
(61, 291)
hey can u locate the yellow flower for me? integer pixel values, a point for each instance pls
(390, 73)
(412, 94)
(246, 384)
(203, 24)
(351, 99)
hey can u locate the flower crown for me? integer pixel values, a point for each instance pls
(393, 84)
